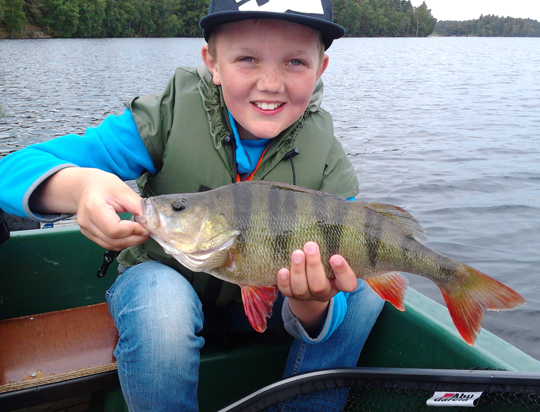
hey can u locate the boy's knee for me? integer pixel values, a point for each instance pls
(152, 293)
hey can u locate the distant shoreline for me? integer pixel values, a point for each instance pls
(484, 26)
(29, 32)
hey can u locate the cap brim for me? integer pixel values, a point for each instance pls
(331, 31)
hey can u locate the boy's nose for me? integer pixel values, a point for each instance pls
(271, 81)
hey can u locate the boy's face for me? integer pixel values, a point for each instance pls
(267, 69)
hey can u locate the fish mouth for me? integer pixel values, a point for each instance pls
(150, 216)
(140, 219)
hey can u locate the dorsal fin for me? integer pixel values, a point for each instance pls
(288, 186)
(401, 217)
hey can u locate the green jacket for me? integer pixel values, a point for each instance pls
(185, 129)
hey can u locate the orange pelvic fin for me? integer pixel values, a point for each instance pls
(390, 286)
(258, 302)
(477, 292)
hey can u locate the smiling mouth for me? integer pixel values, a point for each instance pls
(268, 106)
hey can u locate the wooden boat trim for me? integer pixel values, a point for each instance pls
(15, 386)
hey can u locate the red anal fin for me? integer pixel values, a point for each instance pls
(390, 286)
(258, 302)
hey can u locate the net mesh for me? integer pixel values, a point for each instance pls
(368, 399)
(350, 391)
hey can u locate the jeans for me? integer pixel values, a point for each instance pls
(160, 318)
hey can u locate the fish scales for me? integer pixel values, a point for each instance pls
(333, 233)
(281, 221)
(267, 235)
(279, 241)
(260, 236)
(245, 232)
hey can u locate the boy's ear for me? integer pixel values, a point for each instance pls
(211, 64)
(323, 65)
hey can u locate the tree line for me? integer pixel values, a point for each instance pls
(179, 18)
(103, 18)
(384, 18)
(489, 26)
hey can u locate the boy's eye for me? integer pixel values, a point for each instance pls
(246, 59)
(297, 62)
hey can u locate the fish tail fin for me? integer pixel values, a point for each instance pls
(475, 293)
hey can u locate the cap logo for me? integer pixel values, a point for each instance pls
(281, 6)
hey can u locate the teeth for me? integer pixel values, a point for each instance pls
(267, 106)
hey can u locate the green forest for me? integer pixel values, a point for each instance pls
(489, 26)
(179, 18)
(383, 18)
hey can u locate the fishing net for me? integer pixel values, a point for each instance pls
(398, 390)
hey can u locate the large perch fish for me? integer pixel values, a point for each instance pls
(245, 232)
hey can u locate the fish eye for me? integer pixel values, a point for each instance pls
(178, 205)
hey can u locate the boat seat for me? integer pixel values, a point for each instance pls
(68, 353)
(56, 346)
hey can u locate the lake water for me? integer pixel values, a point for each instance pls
(448, 128)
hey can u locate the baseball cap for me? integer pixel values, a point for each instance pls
(316, 14)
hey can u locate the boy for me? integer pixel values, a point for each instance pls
(251, 111)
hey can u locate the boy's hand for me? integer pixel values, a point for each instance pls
(97, 197)
(308, 288)
(97, 214)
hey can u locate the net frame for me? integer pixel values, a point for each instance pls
(510, 389)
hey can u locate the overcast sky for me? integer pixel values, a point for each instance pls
(472, 9)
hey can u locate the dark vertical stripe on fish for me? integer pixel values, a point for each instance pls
(374, 224)
(282, 212)
(330, 233)
(413, 255)
(407, 254)
(242, 201)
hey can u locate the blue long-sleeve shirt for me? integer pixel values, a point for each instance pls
(114, 146)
